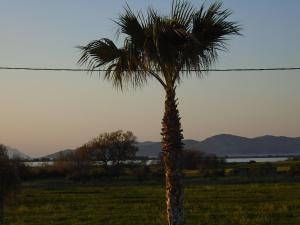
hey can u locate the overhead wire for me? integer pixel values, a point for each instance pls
(104, 70)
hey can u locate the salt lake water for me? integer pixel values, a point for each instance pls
(262, 159)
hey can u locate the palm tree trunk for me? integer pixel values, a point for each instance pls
(1, 210)
(172, 154)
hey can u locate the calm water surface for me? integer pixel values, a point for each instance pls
(265, 159)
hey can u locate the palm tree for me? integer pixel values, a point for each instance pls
(165, 48)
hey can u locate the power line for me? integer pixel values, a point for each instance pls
(104, 70)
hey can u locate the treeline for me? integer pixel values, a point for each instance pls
(111, 155)
(80, 166)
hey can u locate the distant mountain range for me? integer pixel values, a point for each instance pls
(221, 145)
(232, 145)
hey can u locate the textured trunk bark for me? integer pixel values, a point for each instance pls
(172, 155)
(1, 210)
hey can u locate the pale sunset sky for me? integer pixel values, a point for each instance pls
(43, 112)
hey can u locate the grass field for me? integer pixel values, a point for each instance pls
(63, 203)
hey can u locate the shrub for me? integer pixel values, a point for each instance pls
(142, 173)
(294, 170)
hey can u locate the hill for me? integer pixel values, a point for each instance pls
(15, 153)
(58, 154)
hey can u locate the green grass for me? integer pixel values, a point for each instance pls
(62, 203)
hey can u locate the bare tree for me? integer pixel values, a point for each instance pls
(115, 146)
(100, 148)
(122, 146)
(82, 158)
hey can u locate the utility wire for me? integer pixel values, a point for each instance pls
(104, 70)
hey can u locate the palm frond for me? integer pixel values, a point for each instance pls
(182, 11)
(211, 27)
(210, 31)
(121, 65)
(98, 53)
(125, 72)
(130, 25)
